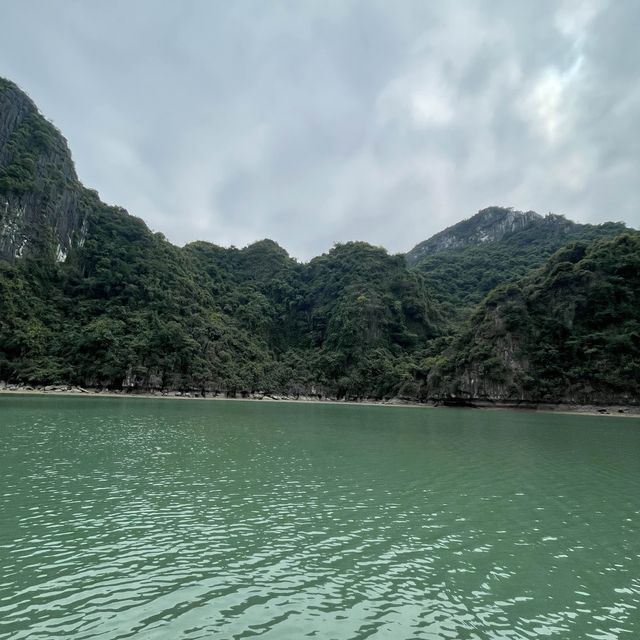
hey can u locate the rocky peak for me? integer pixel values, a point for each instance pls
(488, 225)
(41, 199)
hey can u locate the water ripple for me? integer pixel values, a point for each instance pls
(164, 520)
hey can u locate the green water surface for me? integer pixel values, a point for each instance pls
(169, 519)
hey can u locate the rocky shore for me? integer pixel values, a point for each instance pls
(583, 409)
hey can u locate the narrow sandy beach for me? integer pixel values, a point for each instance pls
(617, 411)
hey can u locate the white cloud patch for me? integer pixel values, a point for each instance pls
(422, 99)
(549, 105)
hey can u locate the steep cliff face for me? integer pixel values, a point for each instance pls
(43, 207)
(488, 225)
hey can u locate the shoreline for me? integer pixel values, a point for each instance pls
(616, 411)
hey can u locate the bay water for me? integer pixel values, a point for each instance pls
(184, 519)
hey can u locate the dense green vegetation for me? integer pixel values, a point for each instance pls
(570, 330)
(90, 296)
(460, 278)
(129, 308)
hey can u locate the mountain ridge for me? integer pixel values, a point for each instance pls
(460, 276)
(50, 183)
(90, 296)
(488, 225)
(492, 224)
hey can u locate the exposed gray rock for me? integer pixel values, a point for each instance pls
(488, 225)
(50, 215)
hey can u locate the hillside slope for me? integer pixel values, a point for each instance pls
(90, 296)
(568, 332)
(464, 263)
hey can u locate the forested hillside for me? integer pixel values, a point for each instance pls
(90, 296)
(129, 309)
(497, 245)
(569, 331)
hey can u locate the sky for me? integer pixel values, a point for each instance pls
(315, 122)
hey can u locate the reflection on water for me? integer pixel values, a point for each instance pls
(176, 519)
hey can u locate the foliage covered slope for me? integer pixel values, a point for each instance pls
(460, 276)
(90, 296)
(128, 308)
(569, 331)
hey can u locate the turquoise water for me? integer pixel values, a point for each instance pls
(169, 519)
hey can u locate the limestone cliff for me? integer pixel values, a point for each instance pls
(488, 225)
(43, 207)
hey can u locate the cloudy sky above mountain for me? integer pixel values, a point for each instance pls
(324, 121)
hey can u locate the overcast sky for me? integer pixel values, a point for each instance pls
(319, 122)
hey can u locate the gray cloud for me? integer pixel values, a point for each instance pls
(315, 122)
